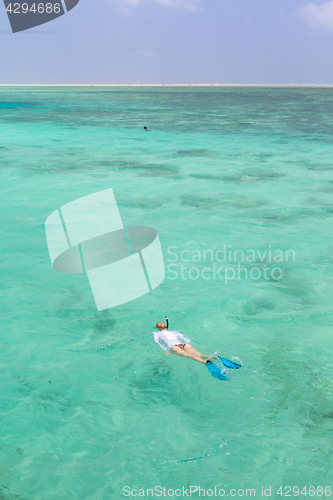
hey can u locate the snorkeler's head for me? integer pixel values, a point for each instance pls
(160, 325)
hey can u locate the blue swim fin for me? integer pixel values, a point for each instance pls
(215, 371)
(230, 364)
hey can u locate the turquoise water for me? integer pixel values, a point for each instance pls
(89, 403)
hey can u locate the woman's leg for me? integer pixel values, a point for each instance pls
(189, 348)
(189, 352)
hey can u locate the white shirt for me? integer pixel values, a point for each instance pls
(169, 338)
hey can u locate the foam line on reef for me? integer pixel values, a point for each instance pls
(268, 85)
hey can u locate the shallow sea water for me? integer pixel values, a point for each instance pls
(89, 403)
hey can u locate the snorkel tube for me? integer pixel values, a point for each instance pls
(167, 322)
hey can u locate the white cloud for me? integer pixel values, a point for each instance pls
(318, 15)
(180, 4)
(145, 52)
(173, 4)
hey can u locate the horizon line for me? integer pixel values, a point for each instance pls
(166, 84)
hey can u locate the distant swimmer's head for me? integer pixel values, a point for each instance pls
(160, 325)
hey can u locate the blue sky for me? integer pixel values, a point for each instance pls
(174, 41)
